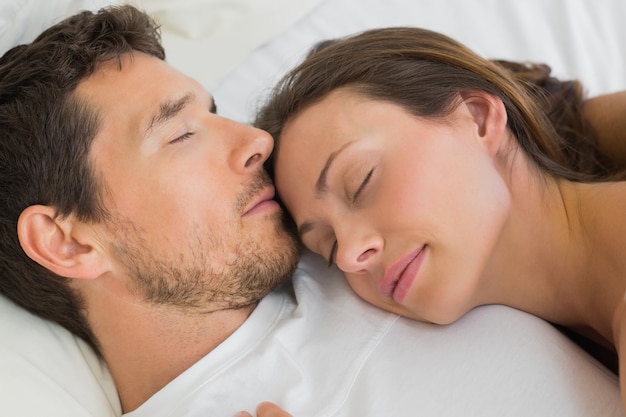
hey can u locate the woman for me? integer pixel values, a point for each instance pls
(436, 180)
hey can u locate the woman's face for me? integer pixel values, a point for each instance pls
(410, 209)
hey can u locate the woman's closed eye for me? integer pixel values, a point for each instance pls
(362, 186)
(366, 180)
(333, 254)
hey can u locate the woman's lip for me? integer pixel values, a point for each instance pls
(265, 199)
(399, 278)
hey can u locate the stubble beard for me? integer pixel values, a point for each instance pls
(204, 278)
(193, 281)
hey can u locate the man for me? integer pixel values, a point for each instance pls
(146, 226)
(162, 219)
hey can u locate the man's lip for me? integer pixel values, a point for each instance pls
(266, 195)
(393, 275)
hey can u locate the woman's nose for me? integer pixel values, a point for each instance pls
(358, 252)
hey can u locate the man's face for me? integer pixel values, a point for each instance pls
(193, 221)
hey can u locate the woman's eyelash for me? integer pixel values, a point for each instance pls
(333, 250)
(363, 184)
(183, 137)
(333, 253)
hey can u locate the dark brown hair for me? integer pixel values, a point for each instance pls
(424, 72)
(45, 136)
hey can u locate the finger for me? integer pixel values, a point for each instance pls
(267, 409)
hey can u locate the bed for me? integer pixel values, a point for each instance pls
(238, 49)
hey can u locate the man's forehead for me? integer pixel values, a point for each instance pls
(126, 69)
(132, 95)
(138, 76)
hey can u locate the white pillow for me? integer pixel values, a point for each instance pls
(46, 371)
(577, 38)
(22, 20)
(220, 32)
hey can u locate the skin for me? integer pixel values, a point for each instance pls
(265, 409)
(194, 238)
(460, 189)
(606, 114)
(363, 225)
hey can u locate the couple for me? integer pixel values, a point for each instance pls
(147, 226)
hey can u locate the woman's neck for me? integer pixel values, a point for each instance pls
(554, 260)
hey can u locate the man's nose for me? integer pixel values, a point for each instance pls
(250, 148)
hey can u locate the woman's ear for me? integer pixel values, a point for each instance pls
(57, 245)
(489, 115)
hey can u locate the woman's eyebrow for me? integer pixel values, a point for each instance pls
(305, 228)
(321, 185)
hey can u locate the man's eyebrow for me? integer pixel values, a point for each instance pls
(167, 110)
(321, 186)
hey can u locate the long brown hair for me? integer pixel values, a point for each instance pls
(425, 71)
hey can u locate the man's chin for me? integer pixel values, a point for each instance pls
(288, 249)
(283, 232)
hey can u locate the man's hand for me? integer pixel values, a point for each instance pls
(266, 409)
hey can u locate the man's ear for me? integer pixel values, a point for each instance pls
(489, 115)
(60, 245)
